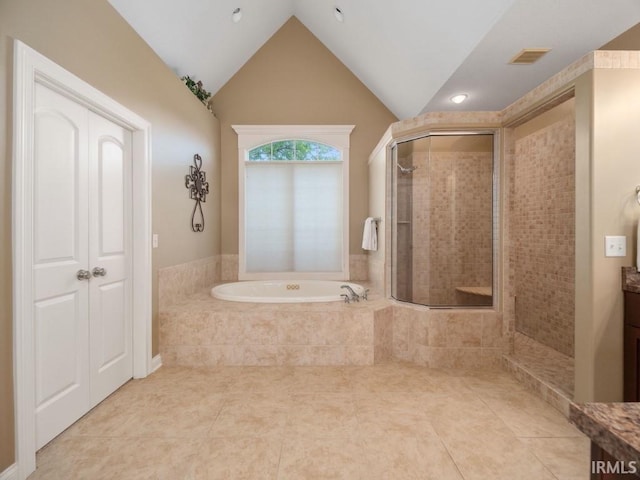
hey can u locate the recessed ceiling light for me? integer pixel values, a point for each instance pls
(459, 98)
(236, 15)
(338, 14)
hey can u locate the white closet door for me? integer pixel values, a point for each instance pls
(60, 250)
(82, 260)
(109, 257)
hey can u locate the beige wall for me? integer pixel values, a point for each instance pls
(294, 79)
(542, 220)
(629, 40)
(91, 40)
(607, 172)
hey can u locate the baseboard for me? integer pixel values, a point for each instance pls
(156, 363)
(10, 473)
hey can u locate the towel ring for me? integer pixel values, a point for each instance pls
(638, 194)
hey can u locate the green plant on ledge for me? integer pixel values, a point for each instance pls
(198, 90)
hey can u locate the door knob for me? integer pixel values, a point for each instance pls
(99, 272)
(83, 275)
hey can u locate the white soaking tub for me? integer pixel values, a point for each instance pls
(284, 291)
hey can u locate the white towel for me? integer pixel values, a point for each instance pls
(370, 234)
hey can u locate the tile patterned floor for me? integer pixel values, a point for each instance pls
(389, 421)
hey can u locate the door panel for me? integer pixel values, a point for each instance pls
(57, 345)
(110, 249)
(111, 165)
(60, 230)
(81, 220)
(57, 184)
(111, 302)
(62, 395)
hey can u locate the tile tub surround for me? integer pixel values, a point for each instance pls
(390, 421)
(359, 268)
(612, 426)
(201, 331)
(229, 267)
(182, 280)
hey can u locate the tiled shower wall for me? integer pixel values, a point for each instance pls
(542, 232)
(460, 254)
(449, 218)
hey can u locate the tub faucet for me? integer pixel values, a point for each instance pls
(352, 295)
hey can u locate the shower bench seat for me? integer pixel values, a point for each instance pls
(474, 295)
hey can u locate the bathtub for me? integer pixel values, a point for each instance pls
(284, 291)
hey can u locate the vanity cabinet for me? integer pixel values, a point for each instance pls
(631, 346)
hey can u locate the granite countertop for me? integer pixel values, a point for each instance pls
(630, 279)
(615, 427)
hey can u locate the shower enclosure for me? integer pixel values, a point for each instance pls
(443, 210)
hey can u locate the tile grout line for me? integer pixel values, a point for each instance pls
(448, 451)
(358, 388)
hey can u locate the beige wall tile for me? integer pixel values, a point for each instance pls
(454, 357)
(492, 330)
(542, 224)
(179, 281)
(229, 267)
(358, 267)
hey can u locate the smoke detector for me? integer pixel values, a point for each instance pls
(236, 15)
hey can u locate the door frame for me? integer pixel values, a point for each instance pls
(30, 67)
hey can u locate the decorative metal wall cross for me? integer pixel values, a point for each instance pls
(196, 182)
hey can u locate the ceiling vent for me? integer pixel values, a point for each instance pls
(528, 56)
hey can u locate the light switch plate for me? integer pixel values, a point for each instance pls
(615, 246)
(155, 240)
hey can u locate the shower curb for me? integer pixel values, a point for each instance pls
(547, 392)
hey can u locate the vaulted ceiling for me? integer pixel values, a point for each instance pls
(412, 54)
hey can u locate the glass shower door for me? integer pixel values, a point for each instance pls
(442, 220)
(410, 160)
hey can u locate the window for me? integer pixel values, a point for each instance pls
(293, 202)
(300, 150)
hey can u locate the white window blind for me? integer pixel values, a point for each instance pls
(293, 216)
(294, 201)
